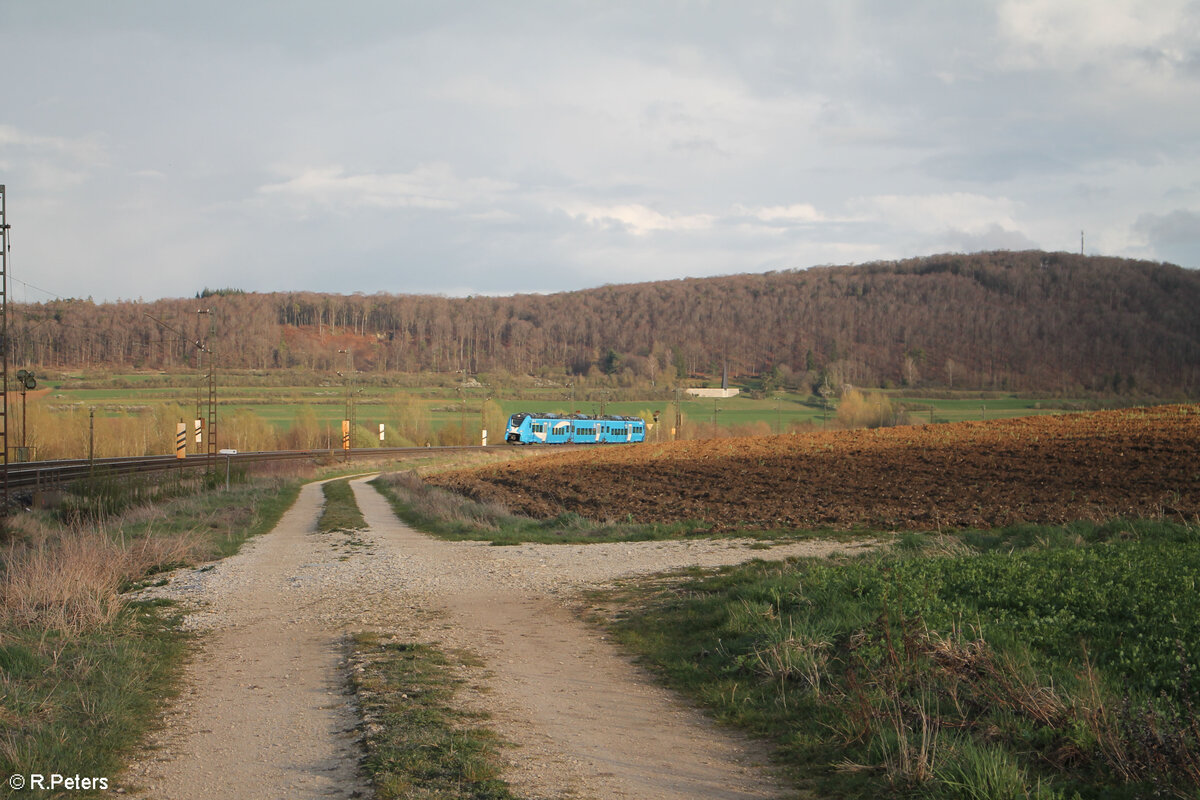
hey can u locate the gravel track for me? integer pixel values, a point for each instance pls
(265, 712)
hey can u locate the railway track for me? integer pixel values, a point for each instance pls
(46, 474)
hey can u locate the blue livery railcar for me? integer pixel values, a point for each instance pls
(524, 428)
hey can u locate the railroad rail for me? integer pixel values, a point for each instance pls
(46, 474)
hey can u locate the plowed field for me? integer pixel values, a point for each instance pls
(1049, 469)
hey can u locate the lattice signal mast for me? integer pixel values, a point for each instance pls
(4, 339)
(206, 346)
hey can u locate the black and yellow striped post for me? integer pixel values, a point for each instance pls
(181, 440)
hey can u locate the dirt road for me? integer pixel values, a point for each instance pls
(265, 713)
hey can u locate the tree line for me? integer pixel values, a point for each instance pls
(1024, 321)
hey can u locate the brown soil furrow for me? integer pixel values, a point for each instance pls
(1050, 469)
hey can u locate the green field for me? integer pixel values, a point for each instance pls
(140, 411)
(280, 406)
(1029, 662)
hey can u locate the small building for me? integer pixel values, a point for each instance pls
(719, 394)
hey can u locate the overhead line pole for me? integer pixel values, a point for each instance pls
(211, 433)
(203, 347)
(4, 339)
(200, 418)
(350, 419)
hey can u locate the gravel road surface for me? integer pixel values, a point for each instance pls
(265, 712)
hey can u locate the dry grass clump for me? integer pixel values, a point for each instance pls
(939, 706)
(445, 508)
(1153, 741)
(868, 410)
(70, 580)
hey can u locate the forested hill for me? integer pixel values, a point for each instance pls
(1012, 320)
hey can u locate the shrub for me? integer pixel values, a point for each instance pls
(875, 410)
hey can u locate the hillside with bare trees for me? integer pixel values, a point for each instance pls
(1023, 321)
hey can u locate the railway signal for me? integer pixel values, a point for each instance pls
(25, 382)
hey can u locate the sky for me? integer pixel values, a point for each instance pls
(151, 149)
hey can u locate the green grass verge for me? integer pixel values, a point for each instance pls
(341, 512)
(1032, 662)
(80, 704)
(221, 521)
(80, 699)
(419, 743)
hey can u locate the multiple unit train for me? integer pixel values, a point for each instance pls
(533, 428)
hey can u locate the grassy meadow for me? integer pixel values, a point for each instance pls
(137, 414)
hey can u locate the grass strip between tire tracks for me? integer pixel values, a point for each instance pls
(341, 511)
(419, 742)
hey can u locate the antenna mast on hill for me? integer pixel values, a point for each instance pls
(1081, 243)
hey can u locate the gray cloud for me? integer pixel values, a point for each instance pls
(1174, 237)
(152, 148)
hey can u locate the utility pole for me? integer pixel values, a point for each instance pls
(825, 391)
(350, 421)
(678, 429)
(483, 433)
(462, 405)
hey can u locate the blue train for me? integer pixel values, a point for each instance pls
(526, 428)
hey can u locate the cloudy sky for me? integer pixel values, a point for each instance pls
(153, 148)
